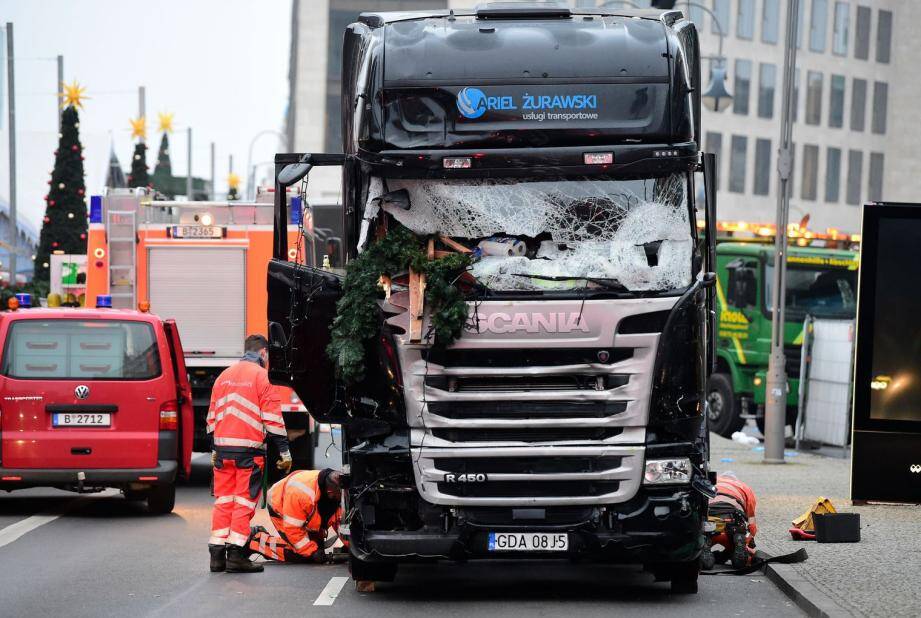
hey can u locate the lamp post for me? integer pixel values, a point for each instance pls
(250, 170)
(716, 97)
(775, 409)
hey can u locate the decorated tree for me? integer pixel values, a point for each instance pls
(139, 176)
(233, 181)
(162, 179)
(64, 226)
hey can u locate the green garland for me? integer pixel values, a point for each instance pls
(357, 317)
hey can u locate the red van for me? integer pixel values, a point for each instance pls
(94, 398)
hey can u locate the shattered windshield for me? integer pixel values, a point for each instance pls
(558, 233)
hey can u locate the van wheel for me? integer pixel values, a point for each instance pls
(372, 571)
(722, 408)
(684, 577)
(161, 499)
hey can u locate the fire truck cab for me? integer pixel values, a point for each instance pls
(203, 264)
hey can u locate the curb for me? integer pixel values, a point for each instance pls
(804, 593)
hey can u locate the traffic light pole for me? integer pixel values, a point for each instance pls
(775, 409)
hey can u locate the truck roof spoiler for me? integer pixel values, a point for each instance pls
(517, 10)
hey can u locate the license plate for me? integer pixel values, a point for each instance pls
(81, 419)
(197, 231)
(528, 541)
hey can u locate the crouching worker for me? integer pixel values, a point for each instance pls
(303, 506)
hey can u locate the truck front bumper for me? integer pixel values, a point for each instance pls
(656, 526)
(20, 478)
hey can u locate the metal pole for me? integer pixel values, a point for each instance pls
(212, 192)
(188, 178)
(60, 90)
(142, 105)
(14, 221)
(775, 409)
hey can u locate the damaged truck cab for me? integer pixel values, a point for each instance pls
(559, 149)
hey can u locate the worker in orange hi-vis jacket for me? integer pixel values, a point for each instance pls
(303, 507)
(245, 412)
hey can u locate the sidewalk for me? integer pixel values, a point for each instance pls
(878, 576)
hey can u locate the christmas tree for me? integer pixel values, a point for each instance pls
(162, 179)
(138, 176)
(64, 227)
(233, 181)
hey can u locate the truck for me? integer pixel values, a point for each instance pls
(567, 418)
(203, 264)
(821, 282)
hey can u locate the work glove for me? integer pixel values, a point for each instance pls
(213, 458)
(284, 464)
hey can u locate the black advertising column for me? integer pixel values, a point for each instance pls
(886, 458)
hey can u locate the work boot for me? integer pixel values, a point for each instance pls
(218, 558)
(238, 561)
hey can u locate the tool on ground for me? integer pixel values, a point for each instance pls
(730, 524)
(804, 526)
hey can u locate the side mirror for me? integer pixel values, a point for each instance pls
(742, 289)
(293, 172)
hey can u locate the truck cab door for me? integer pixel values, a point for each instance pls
(184, 397)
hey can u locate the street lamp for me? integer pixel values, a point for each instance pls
(250, 170)
(716, 97)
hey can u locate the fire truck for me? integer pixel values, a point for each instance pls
(203, 264)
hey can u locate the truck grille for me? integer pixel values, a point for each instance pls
(550, 489)
(525, 410)
(527, 434)
(575, 382)
(450, 358)
(528, 465)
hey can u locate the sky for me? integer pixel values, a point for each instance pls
(220, 66)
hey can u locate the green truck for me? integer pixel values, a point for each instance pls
(821, 282)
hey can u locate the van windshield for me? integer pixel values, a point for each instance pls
(67, 349)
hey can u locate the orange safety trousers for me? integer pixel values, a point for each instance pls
(277, 547)
(237, 487)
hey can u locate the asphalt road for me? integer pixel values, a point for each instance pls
(99, 555)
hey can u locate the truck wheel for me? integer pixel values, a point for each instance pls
(372, 571)
(684, 577)
(722, 411)
(161, 499)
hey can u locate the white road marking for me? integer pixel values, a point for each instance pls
(331, 591)
(14, 531)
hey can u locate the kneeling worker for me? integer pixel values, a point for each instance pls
(303, 506)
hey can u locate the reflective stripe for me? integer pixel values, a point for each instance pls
(244, 502)
(217, 540)
(302, 487)
(273, 545)
(262, 543)
(293, 521)
(243, 416)
(278, 431)
(222, 532)
(239, 442)
(238, 398)
(223, 500)
(278, 418)
(235, 538)
(302, 543)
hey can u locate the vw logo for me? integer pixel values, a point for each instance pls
(82, 391)
(471, 102)
(915, 468)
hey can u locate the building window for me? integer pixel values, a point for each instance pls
(795, 95)
(800, 23)
(742, 87)
(854, 173)
(858, 104)
(818, 29)
(862, 33)
(810, 172)
(762, 166)
(770, 21)
(836, 102)
(833, 175)
(766, 81)
(745, 20)
(875, 181)
(813, 97)
(880, 100)
(737, 164)
(695, 13)
(839, 35)
(883, 36)
(721, 10)
(714, 144)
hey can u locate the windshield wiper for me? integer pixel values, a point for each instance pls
(606, 283)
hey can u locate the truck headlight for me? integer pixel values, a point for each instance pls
(667, 471)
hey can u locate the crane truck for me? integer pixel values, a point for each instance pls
(559, 149)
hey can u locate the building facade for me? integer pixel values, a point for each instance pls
(856, 98)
